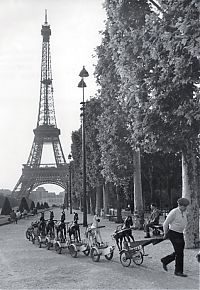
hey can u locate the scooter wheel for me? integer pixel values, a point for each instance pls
(137, 258)
(95, 255)
(87, 251)
(73, 251)
(125, 258)
(58, 248)
(109, 256)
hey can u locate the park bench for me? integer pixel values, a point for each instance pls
(111, 218)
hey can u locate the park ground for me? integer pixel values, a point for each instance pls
(25, 266)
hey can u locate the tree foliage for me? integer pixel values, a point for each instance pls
(6, 209)
(76, 150)
(23, 205)
(32, 205)
(116, 155)
(156, 58)
(93, 153)
(171, 113)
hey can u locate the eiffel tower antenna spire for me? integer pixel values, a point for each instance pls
(34, 173)
(45, 16)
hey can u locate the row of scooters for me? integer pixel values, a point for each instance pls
(59, 241)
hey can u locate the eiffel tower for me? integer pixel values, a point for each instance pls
(34, 173)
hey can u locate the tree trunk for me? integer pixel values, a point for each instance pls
(151, 182)
(119, 205)
(98, 199)
(169, 193)
(105, 199)
(89, 201)
(92, 201)
(138, 202)
(132, 196)
(190, 191)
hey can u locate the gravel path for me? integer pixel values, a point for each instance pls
(26, 266)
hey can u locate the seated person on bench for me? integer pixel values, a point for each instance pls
(153, 220)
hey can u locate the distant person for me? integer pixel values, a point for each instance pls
(153, 219)
(173, 227)
(13, 216)
(24, 213)
(18, 215)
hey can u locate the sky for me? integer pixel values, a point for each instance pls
(75, 26)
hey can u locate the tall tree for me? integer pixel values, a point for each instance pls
(116, 154)
(77, 166)
(125, 21)
(170, 115)
(93, 157)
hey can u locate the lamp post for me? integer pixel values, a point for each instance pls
(70, 183)
(82, 85)
(66, 197)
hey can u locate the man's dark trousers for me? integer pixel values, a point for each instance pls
(178, 243)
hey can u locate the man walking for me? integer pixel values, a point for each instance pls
(173, 227)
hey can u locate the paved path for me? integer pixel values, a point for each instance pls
(25, 266)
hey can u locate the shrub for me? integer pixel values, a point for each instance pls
(6, 209)
(23, 205)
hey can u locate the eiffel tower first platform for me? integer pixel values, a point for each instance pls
(34, 173)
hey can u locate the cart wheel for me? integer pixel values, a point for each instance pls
(109, 256)
(58, 248)
(95, 255)
(73, 251)
(137, 258)
(28, 235)
(87, 251)
(125, 258)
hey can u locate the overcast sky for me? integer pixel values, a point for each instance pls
(75, 26)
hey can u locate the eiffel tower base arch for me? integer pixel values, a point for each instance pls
(33, 177)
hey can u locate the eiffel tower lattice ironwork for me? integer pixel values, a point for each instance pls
(34, 173)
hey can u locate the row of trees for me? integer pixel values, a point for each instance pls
(24, 205)
(142, 127)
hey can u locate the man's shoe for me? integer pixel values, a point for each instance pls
(164, 265)
(180, 274)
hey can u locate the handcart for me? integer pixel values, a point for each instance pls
(134, 251)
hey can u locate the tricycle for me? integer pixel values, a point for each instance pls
(95, 248)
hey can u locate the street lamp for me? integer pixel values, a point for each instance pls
(83, 74)
(70, 183)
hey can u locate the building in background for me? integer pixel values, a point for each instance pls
(41, 195)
